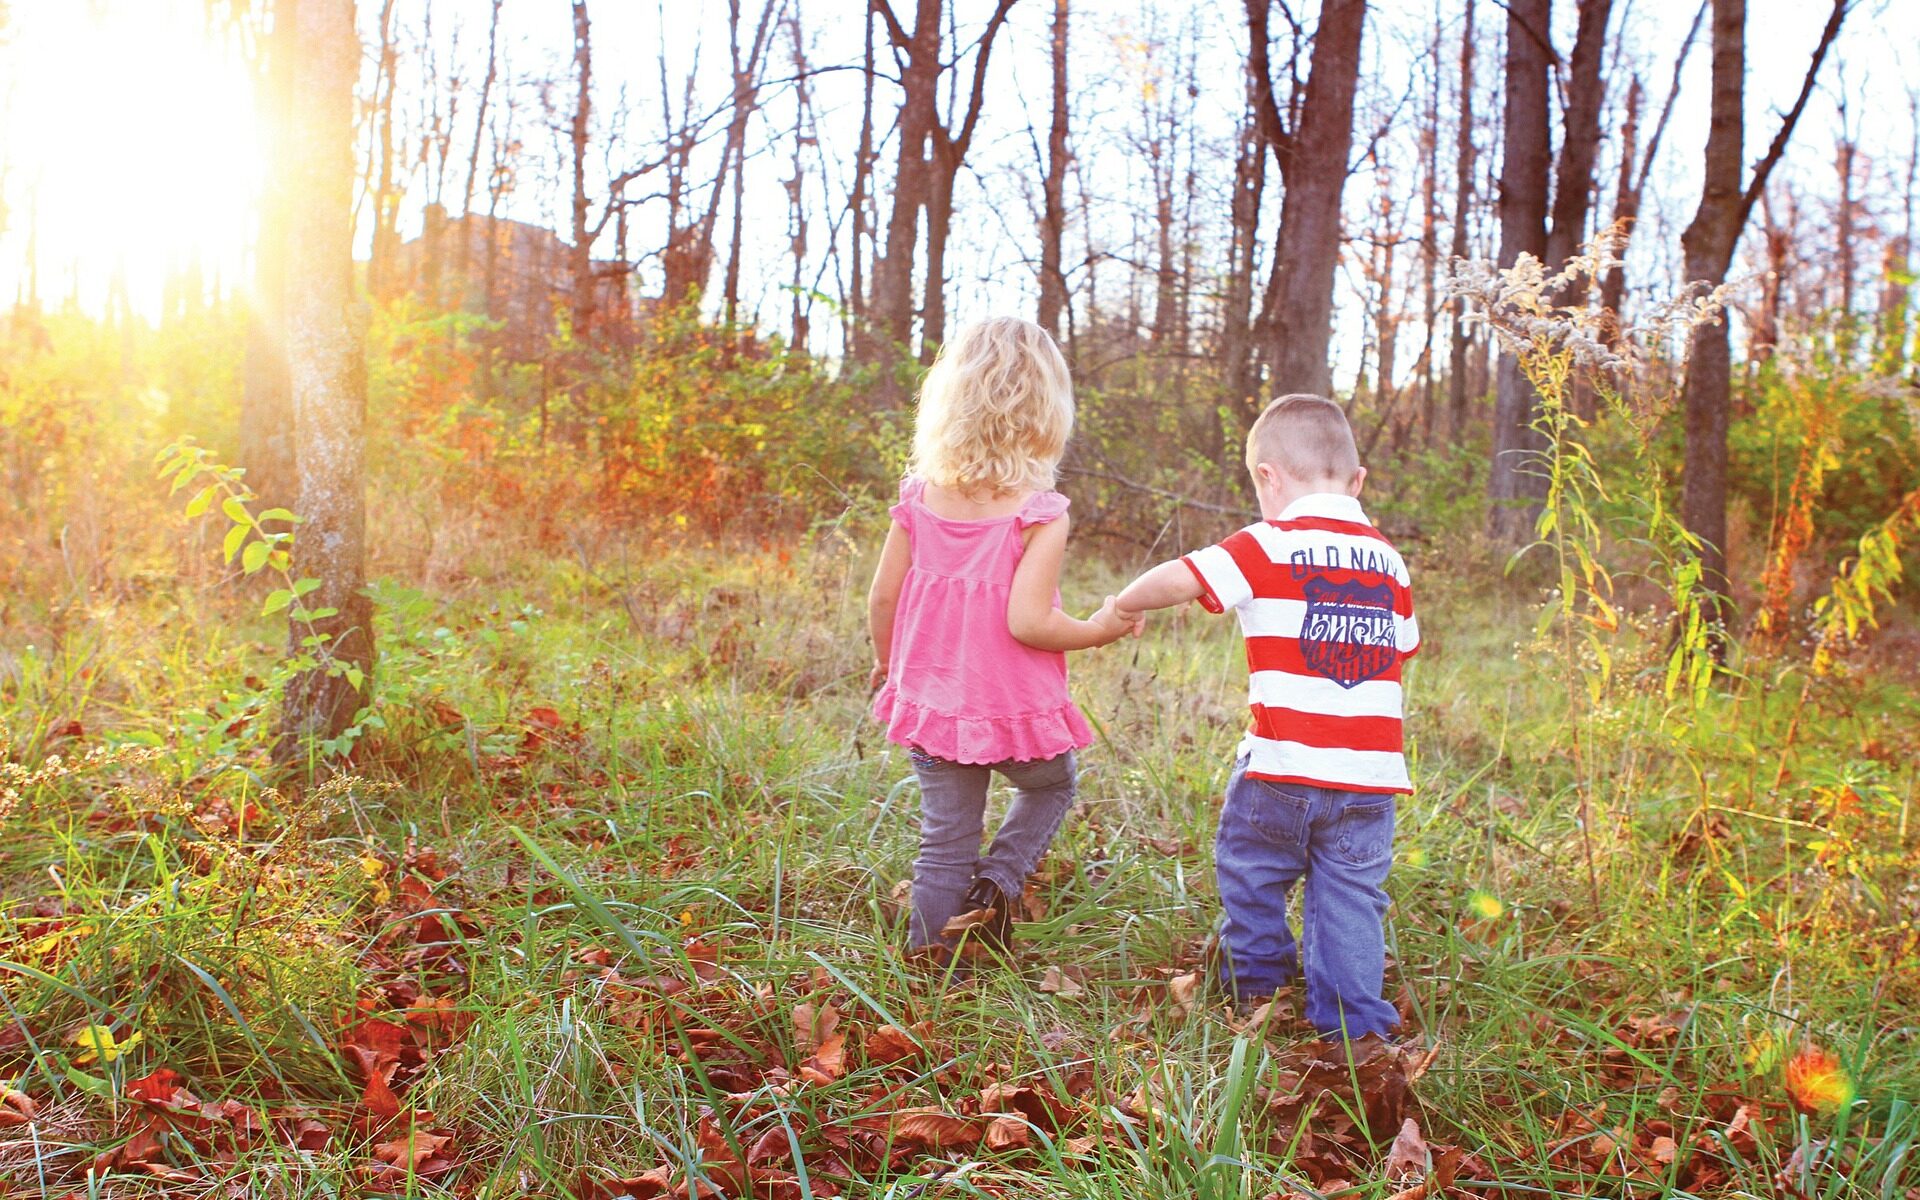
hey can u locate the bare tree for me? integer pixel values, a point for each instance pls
(480, 124)
(327, 365)
(1514, 486)
(385, 194)
(856, 299)
(1708, 246)
(1053, 211)
(1457, 393)
(1236, 320)
(581, 251)
(746, 99)
(266, 400)
(1297, 312)
(929, 157)
(1896, 272)
(948, 151)
(796, 186)
(1633, 182)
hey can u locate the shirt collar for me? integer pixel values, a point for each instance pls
(1331, 506)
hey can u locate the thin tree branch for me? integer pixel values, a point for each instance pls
(1792, 118)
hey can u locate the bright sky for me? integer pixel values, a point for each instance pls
(125, 134)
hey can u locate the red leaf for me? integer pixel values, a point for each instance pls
(380, 1099)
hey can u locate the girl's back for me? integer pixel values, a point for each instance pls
(963, 688)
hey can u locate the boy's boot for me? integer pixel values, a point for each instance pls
(995, 932)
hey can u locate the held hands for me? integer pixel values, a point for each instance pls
(1114, 623)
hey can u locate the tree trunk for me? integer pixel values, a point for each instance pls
(746, 96)
(892, 324)
(1626, 209)
(933, 307)
(327, 366)
(1249, 185)
(1844, 260)
(1430, 234)
(463, 252)
(796, 187)
(581, 252)
(1633, 183)
(1512, 483)
(1573, 182)
(266, 402)
(856, 300)
(1896, 273)
(1313, 167)
(1053, 212)
(1457, 393)
(948, 152)
(381, 262)
(1763, 333)
(1707, 246)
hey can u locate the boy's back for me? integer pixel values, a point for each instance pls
(1325, 604)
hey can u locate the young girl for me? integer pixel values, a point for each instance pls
(968, 636)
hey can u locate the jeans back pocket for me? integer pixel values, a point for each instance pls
(1363, 834)
(1277, 813)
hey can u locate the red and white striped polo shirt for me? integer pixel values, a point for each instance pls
(1323, 600)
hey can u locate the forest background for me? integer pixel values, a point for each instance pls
(444, 442)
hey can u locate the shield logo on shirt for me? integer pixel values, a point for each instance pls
(1348, 633)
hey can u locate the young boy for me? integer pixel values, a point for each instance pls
(1324, 605)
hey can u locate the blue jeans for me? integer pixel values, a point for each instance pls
(1270, 835)
(953, 805)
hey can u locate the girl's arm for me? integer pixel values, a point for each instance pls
(1031, 617)
(1170, 583)
(883, 600)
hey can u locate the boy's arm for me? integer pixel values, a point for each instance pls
(883, 600)
(1032, 618)
(1172, 582)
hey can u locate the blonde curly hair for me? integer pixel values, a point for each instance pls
(995, 411)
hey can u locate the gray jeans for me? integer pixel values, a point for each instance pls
(953, 805)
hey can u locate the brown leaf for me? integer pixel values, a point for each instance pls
(1408, 1157)
(891, 1044)
(967, 920)
(1032, 904)
(426, 1154)
(812, 1027)
(645, 1186)
(933, 1128)
(16, 1107)
(828, 1062)
(1005, 1134)
(1183, 990)
(1060, 984)
(771, 1146)
(380, 1099)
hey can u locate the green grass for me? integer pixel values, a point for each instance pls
(714, 776)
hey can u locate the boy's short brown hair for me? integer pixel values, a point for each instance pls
(1305, 436)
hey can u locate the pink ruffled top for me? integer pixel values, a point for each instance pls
(959, 686)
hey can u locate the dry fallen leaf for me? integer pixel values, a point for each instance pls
(827, 1062)
(813, 1026)
(1183, 990)
(1060, 984)
(16, 1107)
(1008, 1133)
(934, 1128)
(1408, 1157)
(891, 1044)
(968, 920)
